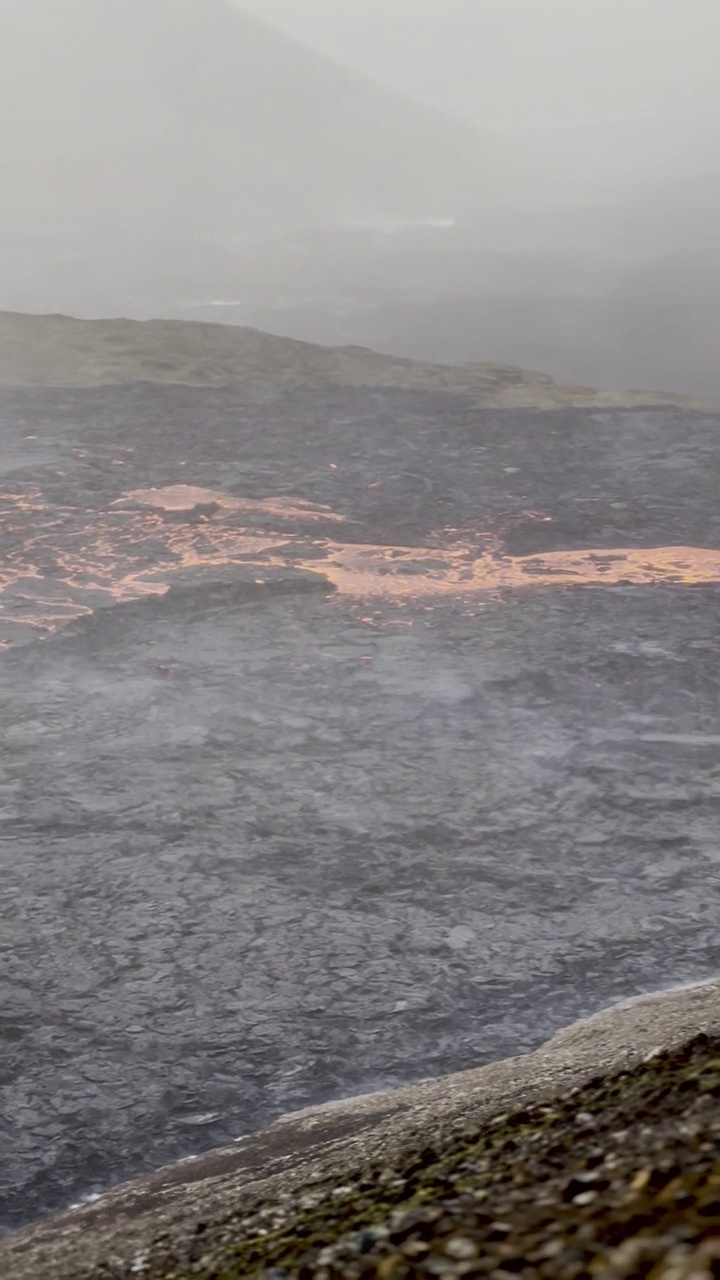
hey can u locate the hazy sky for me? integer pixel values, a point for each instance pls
(514, 61)
(510, 61)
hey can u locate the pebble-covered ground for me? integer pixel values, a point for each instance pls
(620, 1180)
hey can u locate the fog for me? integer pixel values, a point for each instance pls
(503, 180)
(505, 62)
(521, 62)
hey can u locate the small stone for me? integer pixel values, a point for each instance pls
(404, 1222)
(577, 1186)
(415, 1248)
(551, 1249)
(498, 1230)
(460, 1248)
(585, 1197)
(626, 1254)
(641, 1180)
(653, 1053)
(584, 1117)
(443, 1268)
(367, 1239)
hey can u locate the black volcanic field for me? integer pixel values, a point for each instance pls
(283, 834)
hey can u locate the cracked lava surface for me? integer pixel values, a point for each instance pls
(352, 736)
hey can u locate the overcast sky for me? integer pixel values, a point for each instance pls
(511, 61)
(515, 61)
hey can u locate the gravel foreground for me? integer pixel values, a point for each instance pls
(620, 1179)
(598, 1155)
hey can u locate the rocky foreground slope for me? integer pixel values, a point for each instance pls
(597, 1155)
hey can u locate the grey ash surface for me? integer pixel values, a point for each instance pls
(258, 851)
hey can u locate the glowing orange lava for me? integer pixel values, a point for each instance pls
(185, 497)
(65, 561)
(421, 571)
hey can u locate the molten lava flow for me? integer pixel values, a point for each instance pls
(422, 571)
(65, 561)
(185, 497)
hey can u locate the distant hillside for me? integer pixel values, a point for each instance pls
(59, 351)
(186, 117)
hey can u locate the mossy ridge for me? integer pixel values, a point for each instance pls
(61, 351)
(482, 1164)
